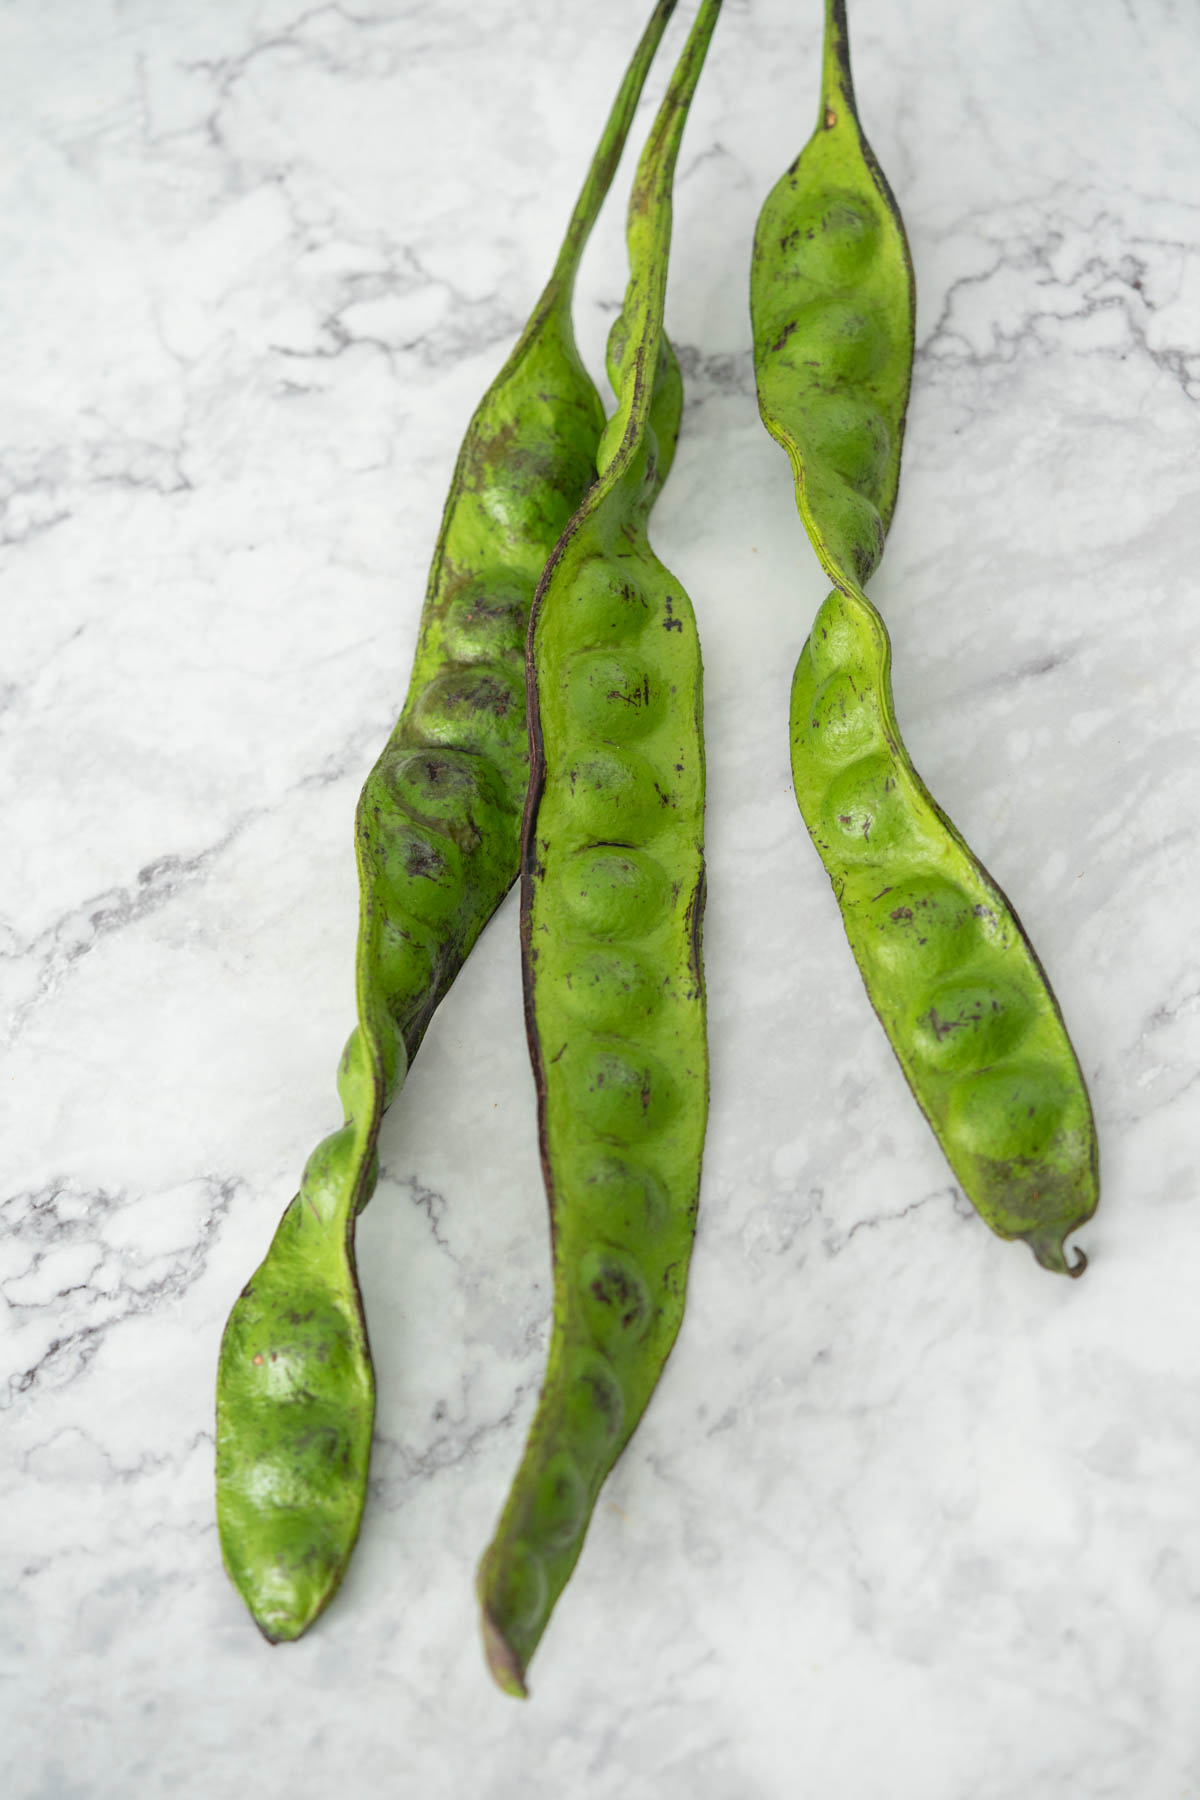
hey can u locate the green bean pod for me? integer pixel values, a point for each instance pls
(438, 846)
(946, 964)
(612, 891)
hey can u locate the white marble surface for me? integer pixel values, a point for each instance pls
(907, 1516)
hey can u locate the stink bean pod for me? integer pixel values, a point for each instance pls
(612, 889)
(438, 846)
(947, 966)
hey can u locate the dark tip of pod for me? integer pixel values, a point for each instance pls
(1051, 1254)
(504, 1664)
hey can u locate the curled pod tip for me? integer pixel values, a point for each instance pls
(1050, 1251)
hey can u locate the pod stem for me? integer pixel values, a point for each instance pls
(837, 83)
(648, 238)
(608, 154)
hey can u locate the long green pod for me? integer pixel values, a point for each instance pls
(438, 845)
(946, 964)
(612, 896)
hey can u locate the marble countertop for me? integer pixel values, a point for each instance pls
(907, 1515)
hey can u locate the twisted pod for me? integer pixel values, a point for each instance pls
(947, 966)
(437, 844)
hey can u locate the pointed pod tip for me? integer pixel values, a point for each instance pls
(504, 1665)
(283, 1625)
(285, 1586)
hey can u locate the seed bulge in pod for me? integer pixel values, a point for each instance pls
(617, 1195)
(522, 1588)
(321, 1184)
(611, 989)
(593, 1405)
(614, 893)
(970, 1023)
(479, 708)
(423, 873)
(613, 696)
(614, 796)
(485, 619)
(1009, 1114)
(602, 606)
(617, 347)
(625, 1095)
(865, 811)
(300, 1346)
(355, 1079)
(862, 536)
(316, 1452)
(837, 637)
(842, 340)
(850, 528)
(559, 1503)
(610, 440)
(403, 959)
(842, 723)
(831, 242)
(441, 784)
(921, 927)
(531, 493)
(615, 1297)
(846, 434)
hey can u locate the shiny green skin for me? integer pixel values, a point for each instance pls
(438, 847)
(947, 966)
(612, 897)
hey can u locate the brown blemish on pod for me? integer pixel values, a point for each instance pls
(615, 1298)
(625, 1092)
